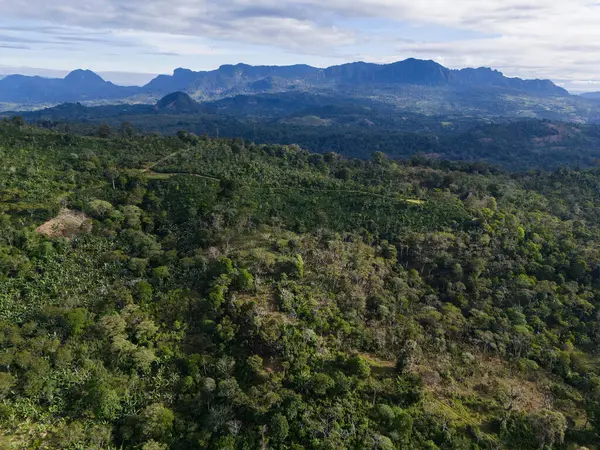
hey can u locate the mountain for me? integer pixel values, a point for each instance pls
(79, 85)
(488, 77)
(352, 79)
(410, 71)
(229, 77)
(172, 104)
(178, 103)
(179, 81)
(359, 75)
(423, 87)
(591, 95)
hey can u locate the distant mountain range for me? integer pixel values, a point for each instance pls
(79, 85)
(591, 95)
(231, 80)
(242, 78)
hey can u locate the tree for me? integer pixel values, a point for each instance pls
(99, 208)
(383, 443)
(385, 414)
(142, 291)
(549, 427)
(255, 364)
(321, 383)
(279, 427)
(208, 385)
(299, 267)
(359, 366)
(112, 173)
(161, 273)
(104, 401)
(403, 426)
(127, 130)
(409, 356)
(229, 389)
(139, 266)
(156, 422)
(379, 157)
(7, 382)
(75, 321)
(104, 131)
(18, 121)
(244, 280)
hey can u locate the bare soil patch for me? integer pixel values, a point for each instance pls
(69, 224)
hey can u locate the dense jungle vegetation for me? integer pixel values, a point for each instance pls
(220, 294)
(353, 128)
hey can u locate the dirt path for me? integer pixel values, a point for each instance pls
(149, 167)
(158, 175)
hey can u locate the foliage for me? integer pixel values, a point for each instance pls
(237, 295)
(517, 132)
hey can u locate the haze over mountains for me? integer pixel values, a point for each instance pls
(231, 80)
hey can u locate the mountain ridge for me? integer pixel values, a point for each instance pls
(408, 72)
(229, 80)
(78, 85)
(591, 95)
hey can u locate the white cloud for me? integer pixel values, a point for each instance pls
(171, 44)
(256, 22)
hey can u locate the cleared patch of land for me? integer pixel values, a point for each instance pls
(69, 224)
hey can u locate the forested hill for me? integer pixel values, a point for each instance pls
(323, 124)
(194, 293)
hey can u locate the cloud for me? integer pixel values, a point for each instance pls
(80, 38)
(172, 45)
(17, 39)
(15, 47)
(11, 70)
(256, 22)
(532, 38)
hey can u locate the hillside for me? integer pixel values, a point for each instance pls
(194, 293)
(177, 103)
(354, 128)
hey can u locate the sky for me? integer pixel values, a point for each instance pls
(130, 41)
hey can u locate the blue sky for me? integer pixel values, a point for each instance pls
(129, 41)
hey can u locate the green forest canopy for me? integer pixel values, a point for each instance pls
(228, 295)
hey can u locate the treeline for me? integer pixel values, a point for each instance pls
(516, 146)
